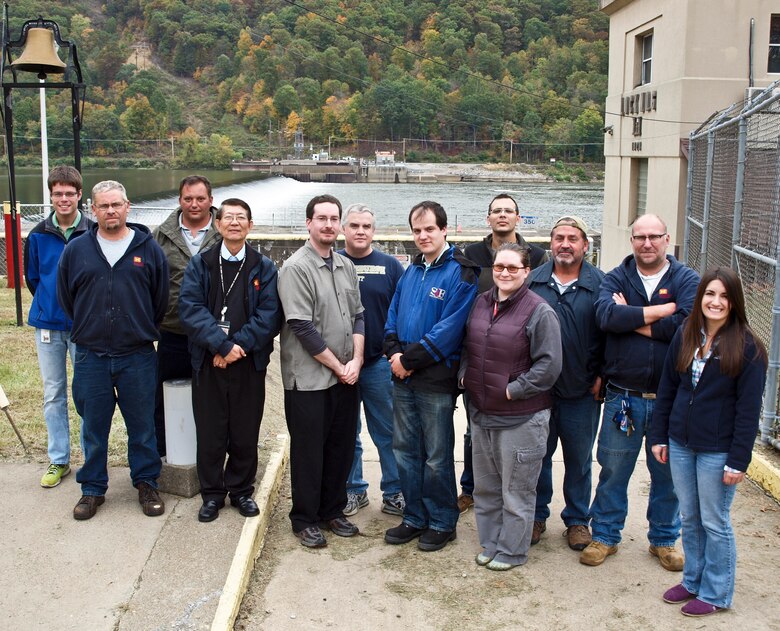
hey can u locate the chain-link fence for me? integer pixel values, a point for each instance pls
(733, 217)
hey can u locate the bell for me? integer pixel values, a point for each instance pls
(39, 54)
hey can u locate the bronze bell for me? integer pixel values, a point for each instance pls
(39, 54)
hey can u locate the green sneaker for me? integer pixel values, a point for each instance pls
(54, 475)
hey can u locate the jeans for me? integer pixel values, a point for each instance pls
(506, 467)
(52, 360)
(575, 422)
(617, 453)
(467, 477)
(708, 539)
(423, 442)
(376, 393)
(99, 383)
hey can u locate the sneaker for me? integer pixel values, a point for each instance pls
(483, 559)
(312, 537)
(355, 501)
(341, 527)
(465, 502)
(54, 475)
(500, 566)
(539, 528)
(432, 540)
(87, 506)
(596, 553)
(697, 608)
(393, 505)
(578, 537)
(150, 500)
(669, 557)
(677, 594)
(402, 534)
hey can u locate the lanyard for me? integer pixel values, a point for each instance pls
(222, 283)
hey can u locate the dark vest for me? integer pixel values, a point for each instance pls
(498, 351)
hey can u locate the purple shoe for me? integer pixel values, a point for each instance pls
(697, 608)
(677, 594)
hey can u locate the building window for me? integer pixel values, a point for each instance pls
(647, 58)
(639, 186)
(774, 45)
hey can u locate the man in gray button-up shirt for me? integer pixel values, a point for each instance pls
(321, 356)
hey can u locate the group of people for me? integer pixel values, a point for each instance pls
(535, 345)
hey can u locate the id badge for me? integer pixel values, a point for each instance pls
(45, 336)
(225, 326)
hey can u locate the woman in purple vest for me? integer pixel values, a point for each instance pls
(511, 359)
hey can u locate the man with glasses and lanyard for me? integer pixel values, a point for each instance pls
(640, 305)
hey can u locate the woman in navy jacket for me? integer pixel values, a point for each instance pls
(704, 424)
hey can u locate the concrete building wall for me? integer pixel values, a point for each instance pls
(700, 64)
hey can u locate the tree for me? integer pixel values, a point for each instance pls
(286, 100)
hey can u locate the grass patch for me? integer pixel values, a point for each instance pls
(21, 380)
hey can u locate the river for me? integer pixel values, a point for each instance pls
(279, 203)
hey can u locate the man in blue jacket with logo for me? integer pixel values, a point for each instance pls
(640, 305)
(423, 337)
(42, 251)
(113, 284)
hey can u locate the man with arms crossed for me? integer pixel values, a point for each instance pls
(378, 274)
(640, 305)
(321, 357)
(423, 338)
(113, 284)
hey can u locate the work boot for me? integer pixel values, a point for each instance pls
(596, 552)
(669, 557)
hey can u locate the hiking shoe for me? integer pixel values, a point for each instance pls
(697, 608)
(312, 537)
(393, 505)
(150, 500)
(669, 557)
(596, 552)
(355, 501)
(341, 527)
(432, 540)
(578, 537)
(465, 502)
(402, 534)
(87, 506)
(54, 475)
(677, 594)
(483, 559)
(539, 528)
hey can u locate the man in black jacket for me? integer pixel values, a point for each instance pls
(113, 284)
(502, 217)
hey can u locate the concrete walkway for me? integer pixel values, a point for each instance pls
(123, 570)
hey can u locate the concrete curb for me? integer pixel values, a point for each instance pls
(765, 474)
(252, 538)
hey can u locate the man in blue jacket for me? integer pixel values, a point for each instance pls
(229, 308)
(640, 305)
(42, 251)
(113, 284)
(570, 285)
(423, 337)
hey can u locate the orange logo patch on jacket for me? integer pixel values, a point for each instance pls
(256, 284)
(663, 292)
(138, 261)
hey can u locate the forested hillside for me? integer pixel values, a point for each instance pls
(242, 75)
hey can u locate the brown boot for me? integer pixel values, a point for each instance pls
(596, 552)
(539, 528)
(670, 558)
(578, 537)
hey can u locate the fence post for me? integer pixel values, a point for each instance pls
(688, 202)
(705, 231)
(739, 188)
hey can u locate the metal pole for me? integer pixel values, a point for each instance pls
(688, 203)
(44, 148)
(739, 188)
(9, 139)
(705, 233)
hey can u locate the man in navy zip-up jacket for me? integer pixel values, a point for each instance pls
(42, 251)
(113, 284)
(640, 305)
(423, 337)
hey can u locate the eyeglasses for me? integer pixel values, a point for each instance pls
(512, 269)
(324, 220)
(502, 211)
(653, 238)
(67, 194)
(232, 218)
(113, 206)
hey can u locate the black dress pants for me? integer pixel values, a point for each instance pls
(322, 426)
